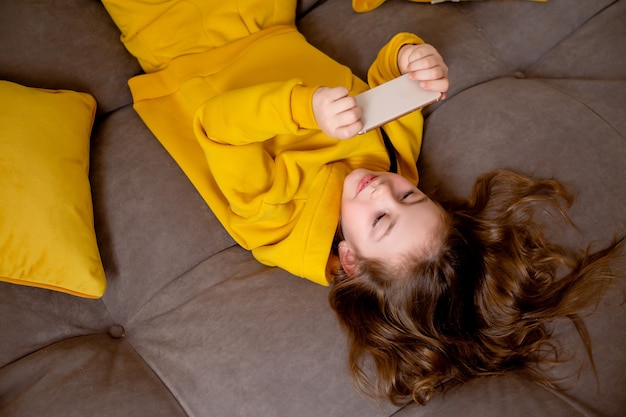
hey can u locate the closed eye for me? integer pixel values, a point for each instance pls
(378, 219)
(406, 195)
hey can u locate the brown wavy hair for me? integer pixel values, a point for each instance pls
(480, 305)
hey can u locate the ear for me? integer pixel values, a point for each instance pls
(348, 258)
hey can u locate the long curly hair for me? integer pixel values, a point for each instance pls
(480, 305)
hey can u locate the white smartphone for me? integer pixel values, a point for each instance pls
(392, 100)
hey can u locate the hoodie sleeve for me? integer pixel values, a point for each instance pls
(245, 135)
(385, 67)
(256, 113)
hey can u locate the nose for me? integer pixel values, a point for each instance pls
(380, 191)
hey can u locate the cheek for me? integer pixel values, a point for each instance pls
(352, 219)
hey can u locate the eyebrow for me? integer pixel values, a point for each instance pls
(387, 232)
(393, 224)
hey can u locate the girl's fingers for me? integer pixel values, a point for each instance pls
(336, 112)
(348, 123)
(344, 104)
(337, 93)
(435, 73)
(349, 131)
(440, 85)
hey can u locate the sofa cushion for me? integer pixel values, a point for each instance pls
(152, 223)
(46, 215)
(566, 129)
(208, 330)
(362, 6)
(34, 49)
(89, 375)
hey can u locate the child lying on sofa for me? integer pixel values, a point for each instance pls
(264, 126)
(255, 115)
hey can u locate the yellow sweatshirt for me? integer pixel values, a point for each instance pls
(238, 119)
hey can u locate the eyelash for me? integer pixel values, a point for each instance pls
(380, 216)
(378, 219)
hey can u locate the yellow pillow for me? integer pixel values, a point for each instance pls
(47, 238)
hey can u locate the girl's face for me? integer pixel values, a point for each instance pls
(383, 215)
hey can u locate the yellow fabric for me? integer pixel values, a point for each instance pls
(155, 31)
(362, 6)
(238, 120)
(47, 238)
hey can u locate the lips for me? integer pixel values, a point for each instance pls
(365, 182)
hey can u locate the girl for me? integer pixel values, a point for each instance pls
(474, 300)
(264, 126)
(263, 123)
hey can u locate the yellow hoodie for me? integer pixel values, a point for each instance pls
(238, 120)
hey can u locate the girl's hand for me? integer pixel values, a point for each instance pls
(336, 112)
(423, 63)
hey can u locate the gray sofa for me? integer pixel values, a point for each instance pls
(192, 325)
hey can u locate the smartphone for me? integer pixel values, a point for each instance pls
(392, 100)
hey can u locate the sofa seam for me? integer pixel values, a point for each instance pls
(553, 47)
(544, 81)
(569, 34)
(176, 278)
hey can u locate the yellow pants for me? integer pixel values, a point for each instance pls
(156, 31)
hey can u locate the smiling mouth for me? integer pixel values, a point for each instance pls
(365, 181)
